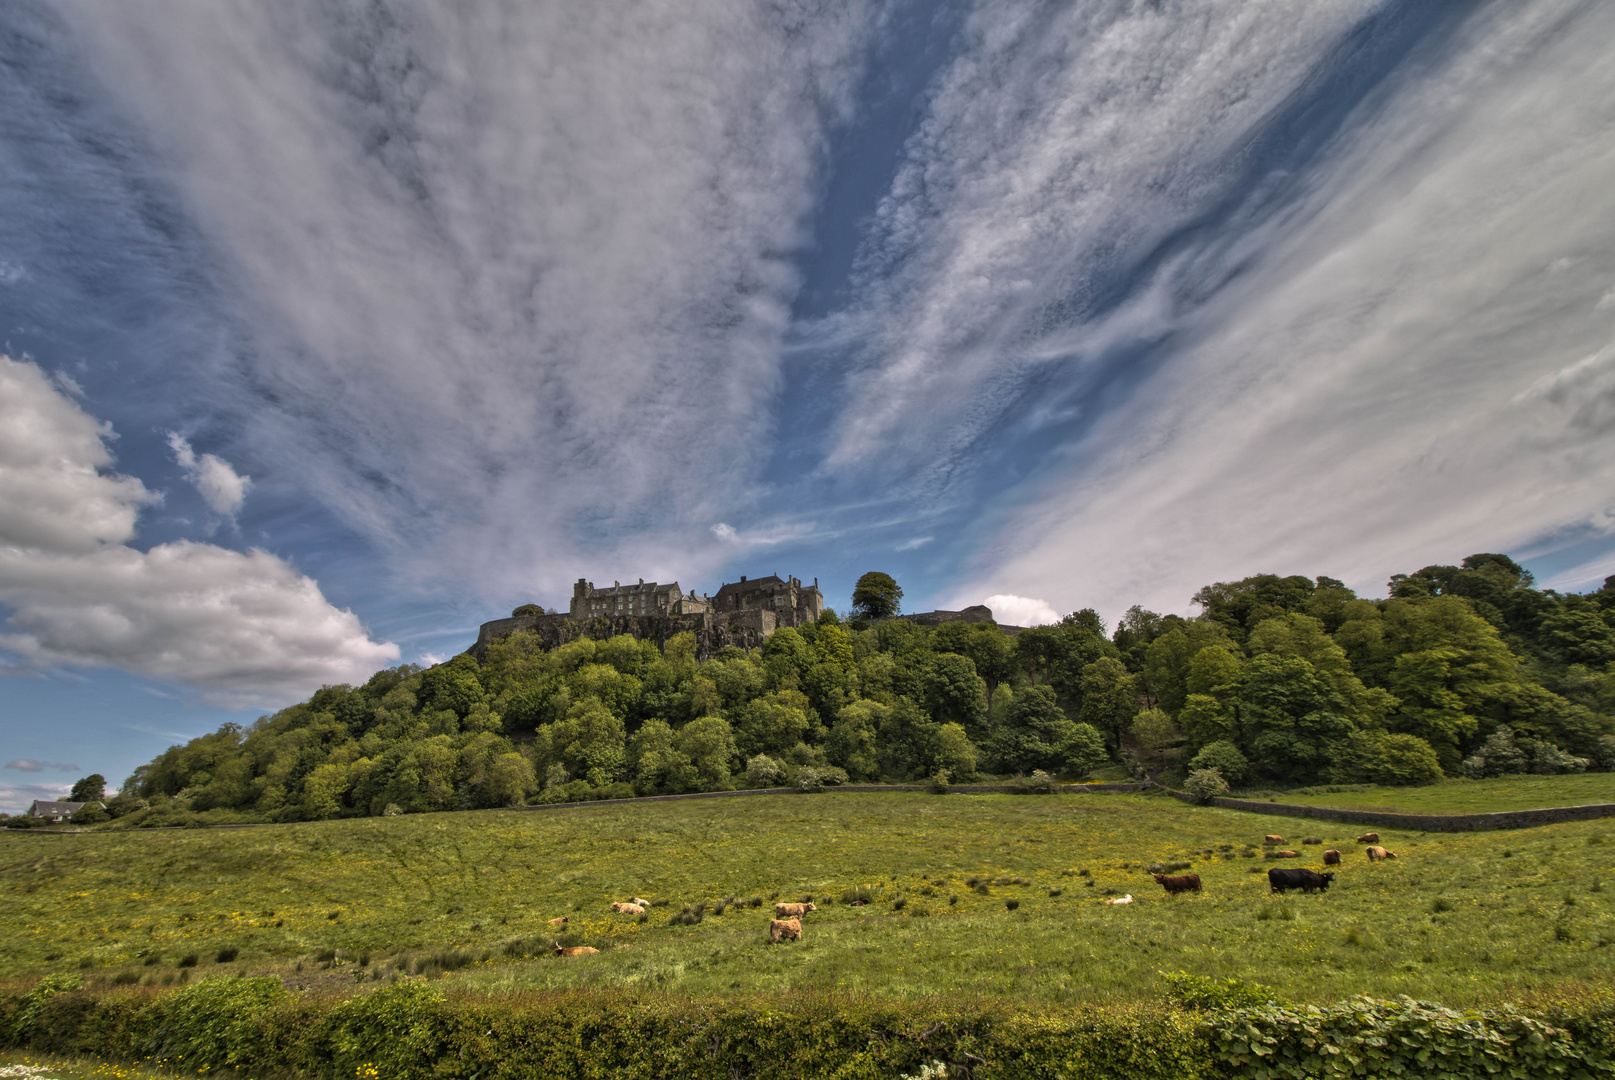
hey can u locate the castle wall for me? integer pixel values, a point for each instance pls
(713, 631)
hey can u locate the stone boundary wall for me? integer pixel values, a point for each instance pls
(746, 629)
(1503, 819)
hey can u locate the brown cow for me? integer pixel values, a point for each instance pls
(1368, 838)
(793, 911)
(1287, 854)
(627, 909)
(562, 921)
(1176, 883)
(1272, 839)
(575, 950)
(784, 930)
(1331, 857)
(1376, 853)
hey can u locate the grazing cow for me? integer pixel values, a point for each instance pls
(1296, 878)
(1176, 883)
(1331, 857)
(575, 950)
(562, 921)
(1128, 899)
(627, 909)
(1377, 853)
(1368, 838)
(784, 930)
(793, 911)
(1272, 839)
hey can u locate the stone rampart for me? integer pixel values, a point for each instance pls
(713, 631)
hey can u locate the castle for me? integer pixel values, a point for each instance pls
(741, 613)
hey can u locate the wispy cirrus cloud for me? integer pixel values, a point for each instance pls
(498, 258)
(27, 765)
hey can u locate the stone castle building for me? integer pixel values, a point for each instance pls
(643, 599)
(741, 613)
(792, 603)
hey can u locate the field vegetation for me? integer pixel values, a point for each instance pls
(1459, 796)
(997, 896)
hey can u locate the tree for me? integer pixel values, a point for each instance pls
(92, 788)
(876, 596)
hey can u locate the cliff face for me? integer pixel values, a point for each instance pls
(746, 629)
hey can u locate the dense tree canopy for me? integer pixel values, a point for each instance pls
(877, 596)
(1464, 669)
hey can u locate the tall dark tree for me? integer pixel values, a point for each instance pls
(92, 788)
(877, 596)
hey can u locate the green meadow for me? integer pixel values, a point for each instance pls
(1519, 792)
(990, 895)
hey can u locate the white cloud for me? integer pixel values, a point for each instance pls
(1403, 362)
(18, 797)
(916, 542)
(762, 537)
(1011, 610)
(242, 628)
(25, 765)
(500, 257)
(221, 487)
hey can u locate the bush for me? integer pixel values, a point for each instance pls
(1039, 783)
(1546, 759)
(1380, 757)
(819, 777)
(1206, 784)
(939, 782)
(1223, 756)
(1606, 753)
(89, 814)
(764, 771)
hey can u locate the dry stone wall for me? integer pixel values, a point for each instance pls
(746, 629)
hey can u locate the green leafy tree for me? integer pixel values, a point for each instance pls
(1225, 757)
(1109, 698)
(955, 694)
(877, 596)
(709, 745)
(590, 742)
(92, 788)
(774, 724)
(854, 740)
(1037, 734)
(1294, 720)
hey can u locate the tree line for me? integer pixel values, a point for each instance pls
(1277, 681)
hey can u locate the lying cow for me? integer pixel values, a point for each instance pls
(1377, 853)
(1176, 883)
(1128, 899)
(1272, 839)
(1296, 878)
(793, 911)
(784, 930)
(1368, 838)
(562, 921)
(641, 903)
(1286, 854)
(575, 950)
(1331, 857)
(627, 909)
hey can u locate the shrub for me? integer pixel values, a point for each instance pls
(1546, 759)
(764, 771)
(1380, 757)
(939, 782)
(1605, 755)
(89, 814)
(819, 777)
(1223, 756)
(1199, 992)
(226, 955)
(1206, 784)
(392, 810)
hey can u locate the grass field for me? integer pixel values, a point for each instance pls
(1472, 796)
(1461, 918)
(17, 1065)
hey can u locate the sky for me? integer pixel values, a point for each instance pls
(335, 328)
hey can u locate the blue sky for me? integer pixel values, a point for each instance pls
(334, 329)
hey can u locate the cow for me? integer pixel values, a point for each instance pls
(575, 950)
(562, 921)
(641, 903)
(784, 930)
(1331, 857)
(1286, 854)
(627, 909)
(1377, 853)
(1176, 883)
(1368, 838)
(1128, 899)
(1280, 879)
(1272, 839)
(793, 911)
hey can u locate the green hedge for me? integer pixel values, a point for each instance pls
(414, 1029)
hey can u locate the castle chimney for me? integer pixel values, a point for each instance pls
(742, 578)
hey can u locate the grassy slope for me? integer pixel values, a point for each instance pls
(1473, 796)
(1525, 916)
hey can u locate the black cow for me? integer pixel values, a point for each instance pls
(1305, 880)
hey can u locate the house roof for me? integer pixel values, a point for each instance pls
(45, 808)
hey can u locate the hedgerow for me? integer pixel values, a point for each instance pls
(415, 1029)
